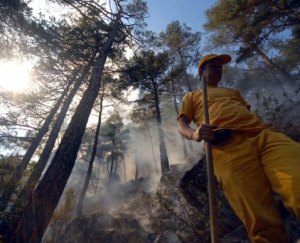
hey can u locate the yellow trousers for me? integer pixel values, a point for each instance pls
(250, 168)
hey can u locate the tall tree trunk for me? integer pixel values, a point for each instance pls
(124, 168)
(164, 160)
(188, 83)
(273, 65)
(91, 162)
(152, 147)
(116, 165)
(37, 214)
(35, 175)
(185, 153)
(9, 190)
(185, 75)
(96, 183)
(136, 175)
(112, 159)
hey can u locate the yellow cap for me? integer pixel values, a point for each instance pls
(225, 58)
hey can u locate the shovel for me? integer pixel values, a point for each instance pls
(214, 222)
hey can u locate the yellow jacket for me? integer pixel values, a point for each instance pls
(227, 109)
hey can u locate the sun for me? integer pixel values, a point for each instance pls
(14, 76)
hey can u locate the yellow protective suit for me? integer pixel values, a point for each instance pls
(252, 165)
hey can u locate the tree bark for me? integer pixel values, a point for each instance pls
(112, 159)
(38, 213)
(164, 160)
(152, 147)
(136, 175)
(185, 153)
(124, 168)
(91, 162)
(273, 65)
(116, 165)
(187, 79)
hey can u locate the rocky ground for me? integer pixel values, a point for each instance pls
(176, 211)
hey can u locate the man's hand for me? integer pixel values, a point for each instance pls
(203, 132)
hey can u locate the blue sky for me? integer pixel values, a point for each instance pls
(161, 12)
(190, 12)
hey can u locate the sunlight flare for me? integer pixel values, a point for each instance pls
(14, 76)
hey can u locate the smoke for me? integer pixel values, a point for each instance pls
(140, 170)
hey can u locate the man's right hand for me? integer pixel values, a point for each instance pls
(204, 132)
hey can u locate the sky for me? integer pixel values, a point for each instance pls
(161, 12)
(190, 12)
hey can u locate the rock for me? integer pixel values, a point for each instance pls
(171, 212)
(167, 237)
(105, 228)
(193, 186)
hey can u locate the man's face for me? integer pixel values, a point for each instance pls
(212, 72)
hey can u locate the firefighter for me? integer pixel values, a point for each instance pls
(252, 161)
